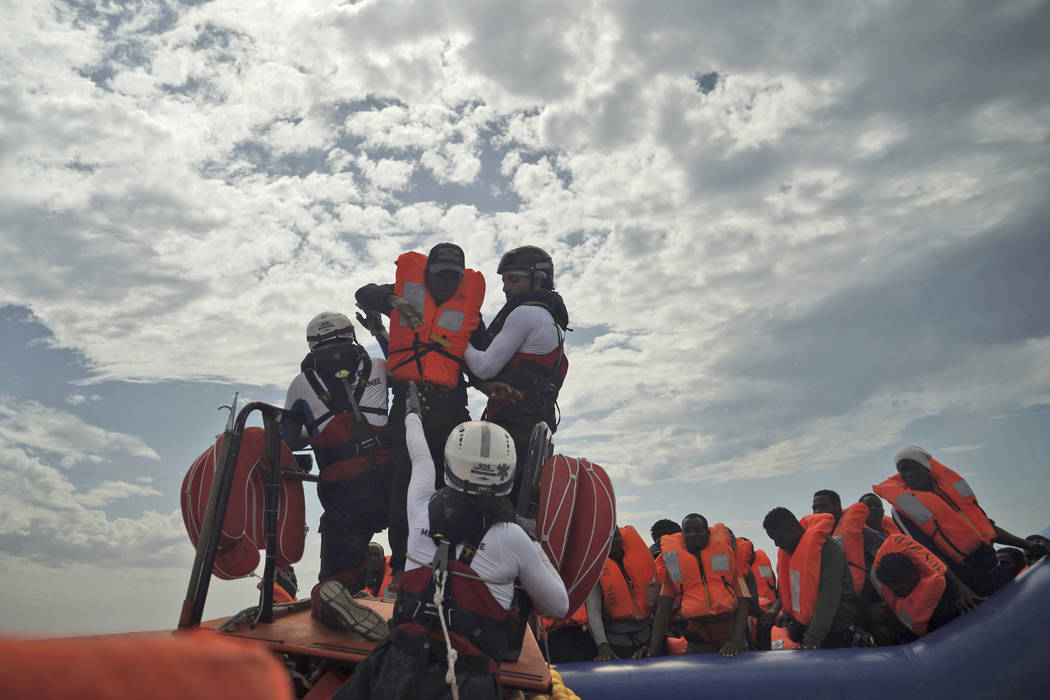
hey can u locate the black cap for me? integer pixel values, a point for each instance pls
(446, 256)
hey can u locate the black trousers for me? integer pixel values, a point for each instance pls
(391, 673)
(354, 510)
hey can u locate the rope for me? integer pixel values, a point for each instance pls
(439, 596)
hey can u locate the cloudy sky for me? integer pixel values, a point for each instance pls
(790, 242)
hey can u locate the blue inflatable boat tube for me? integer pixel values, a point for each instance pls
(1001, 650)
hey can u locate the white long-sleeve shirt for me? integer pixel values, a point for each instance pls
(528, 329)
(504, 553)
(305, 406)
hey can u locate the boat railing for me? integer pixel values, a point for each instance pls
(218, 499)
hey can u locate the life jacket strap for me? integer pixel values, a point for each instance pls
(343, 399)
(348, 450)
(418, 350)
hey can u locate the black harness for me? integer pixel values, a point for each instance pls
(451, 512)
(537, 381)
(488, 636)
(420, 348)
(344, 368)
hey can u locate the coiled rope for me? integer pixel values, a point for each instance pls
(439, 597)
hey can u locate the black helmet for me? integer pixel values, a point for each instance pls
(527, 260)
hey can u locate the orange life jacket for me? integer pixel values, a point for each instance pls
(915, 609)
(627, 598)
(779, 639)
(949, 515)
(577, 619)
(388, 577)
(848, 532)
(745, 550)
(889, 527)
(707, 590)
(798, 573)
(766, 580)
(434, 351)
(280, 595)
(385, 580)
(677, 646)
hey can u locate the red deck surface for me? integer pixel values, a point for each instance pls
(298, 633)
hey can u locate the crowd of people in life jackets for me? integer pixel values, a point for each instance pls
(463, 568)
(843, 577)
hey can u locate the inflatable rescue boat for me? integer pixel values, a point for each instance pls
(244, 494)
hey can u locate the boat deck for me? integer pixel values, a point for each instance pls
(299, 633)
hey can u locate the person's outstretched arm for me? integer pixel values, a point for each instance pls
(596, 626)
(1037, 545)
(660, 620)
(421, 484)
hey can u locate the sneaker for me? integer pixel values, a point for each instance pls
(340, 611)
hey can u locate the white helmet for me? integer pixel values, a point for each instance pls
(328, 325)
(480, 458)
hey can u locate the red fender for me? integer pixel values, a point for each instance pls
(556, 504)
(575, 521)
(243, 533)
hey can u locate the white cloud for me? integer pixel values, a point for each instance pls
(734, 200)
(1003, 120)
(961, 448)
(110, 491)
(43, 517)
(783, 237)
(45, 430)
